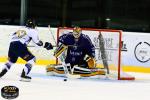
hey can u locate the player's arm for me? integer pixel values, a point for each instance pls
(38, 42)
(61, 47)
(47, 45)
(35, 38)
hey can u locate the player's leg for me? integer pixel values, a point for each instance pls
(5, 68)
(25, 54)
(26, 70)
(12, 58)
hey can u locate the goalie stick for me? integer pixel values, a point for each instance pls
(67, 74)
(103, 52)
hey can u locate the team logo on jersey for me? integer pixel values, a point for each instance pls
(142, 52)
(9, 92)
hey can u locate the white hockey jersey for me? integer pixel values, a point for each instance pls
(25, 35)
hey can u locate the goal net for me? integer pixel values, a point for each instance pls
(107, 49)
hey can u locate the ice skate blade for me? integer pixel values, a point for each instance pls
(25, 80)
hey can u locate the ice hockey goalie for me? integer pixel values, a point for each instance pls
(77, 54)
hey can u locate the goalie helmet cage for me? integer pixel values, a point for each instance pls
(112, 45)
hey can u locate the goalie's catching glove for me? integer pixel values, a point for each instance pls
(90, 61)
(48, 46)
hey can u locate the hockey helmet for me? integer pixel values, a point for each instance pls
(30, 23)
(77, 32)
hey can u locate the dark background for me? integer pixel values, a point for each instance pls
(127, 15)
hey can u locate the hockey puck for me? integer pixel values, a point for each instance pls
(65, 79)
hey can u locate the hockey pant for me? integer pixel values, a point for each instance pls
(58, 70)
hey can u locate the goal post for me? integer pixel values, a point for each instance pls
(112, 43)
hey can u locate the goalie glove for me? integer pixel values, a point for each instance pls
(90, 61)
(48, 46)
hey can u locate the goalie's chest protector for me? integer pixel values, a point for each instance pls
(76, 50)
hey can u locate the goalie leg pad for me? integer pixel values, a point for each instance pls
(80, 70)
(50, 68)
(85, 72)
(56, 69)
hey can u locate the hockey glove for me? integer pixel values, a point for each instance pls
(91, 62)
(40, 43)
(48, 46)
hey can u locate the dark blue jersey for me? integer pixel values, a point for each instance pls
(77, 49)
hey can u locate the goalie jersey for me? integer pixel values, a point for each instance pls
(77, 49)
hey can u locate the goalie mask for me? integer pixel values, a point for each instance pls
(77, 32)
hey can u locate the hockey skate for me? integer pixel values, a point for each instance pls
(4, 71)
(24, 77)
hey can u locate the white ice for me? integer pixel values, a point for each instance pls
(43, 87)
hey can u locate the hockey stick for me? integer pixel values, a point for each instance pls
(52, 34)
(67, 74)
(103, 52)
(56, 46)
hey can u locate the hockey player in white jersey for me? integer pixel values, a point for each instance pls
(77, 52)
(18, 48)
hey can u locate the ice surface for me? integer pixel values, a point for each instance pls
(44, 87)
